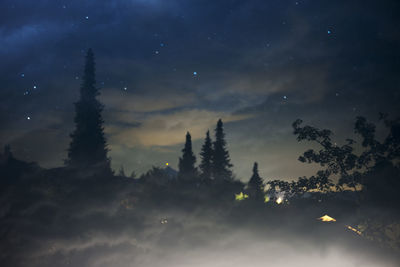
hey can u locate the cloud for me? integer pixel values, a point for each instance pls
(170, 129)
(125, 102)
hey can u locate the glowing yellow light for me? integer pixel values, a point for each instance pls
(241, 196)
(326, 218)
(279, 200)
(167, 163)
(266, 199)
(354, 230)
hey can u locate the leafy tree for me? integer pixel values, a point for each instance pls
(277, 186)
(337, 160)
(206, 158)
(255, 187)
(88, 148)
(376, 152)
(221, 161)
(376, 167)
(187, 169)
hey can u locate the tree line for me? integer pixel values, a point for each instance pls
(370, 167)
(357, 171)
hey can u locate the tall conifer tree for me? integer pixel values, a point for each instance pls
(221, 161)
(206, 155)
(255, 187)
(88, 148)
(187, 169)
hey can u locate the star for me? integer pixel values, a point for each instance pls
(22, 75)
(87, 17)
(34, 87)
(329, 32)
(157, 52)
(284, 97)
(195, 73)
(28, 118)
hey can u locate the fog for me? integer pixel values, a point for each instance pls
(113, 233)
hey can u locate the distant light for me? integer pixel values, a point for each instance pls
(284, 97)
(167, 164)
(157, 52)
(329, 32)
(87, 17)
(266, 199)
(327, 218)
(241, 196)
(195, 73)
(22, 75)
(279, 200)
(125, 88)
(162, 44)
(28, 118)
(34, 87)
(354, 230)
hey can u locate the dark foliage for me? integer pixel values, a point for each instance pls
(187, 169)
(206, 158)
(221, 161)
(88, 148)
(255, 186)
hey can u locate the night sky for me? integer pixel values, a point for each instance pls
(167, 67)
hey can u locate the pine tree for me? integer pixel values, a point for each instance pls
(88, 148)
(187, 170)
(206, 155)
(255, 187)
(221, 161)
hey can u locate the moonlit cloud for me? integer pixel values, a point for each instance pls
(169, 129)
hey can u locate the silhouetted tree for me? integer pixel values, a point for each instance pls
(121, 171)
(88, 148)
(187, 170)
(376, 167)
(221, 161)
(133, 175)
(255, 187)
(206, 158)
(337, 160)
